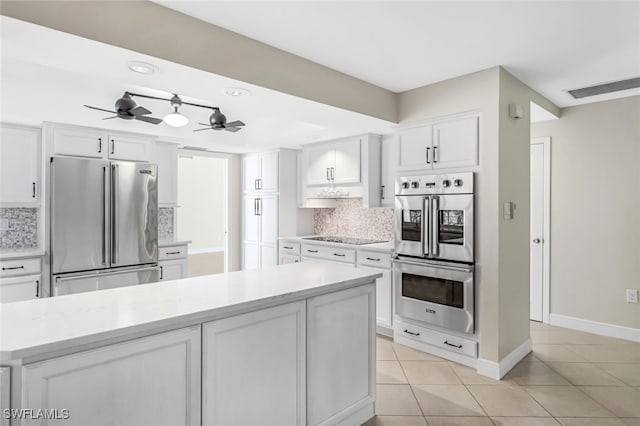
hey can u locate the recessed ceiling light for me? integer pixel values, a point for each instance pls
(236, 91)
(142, 67)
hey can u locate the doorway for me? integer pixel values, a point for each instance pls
(203, 211)
(540, 228)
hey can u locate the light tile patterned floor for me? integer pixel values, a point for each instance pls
(571, 378)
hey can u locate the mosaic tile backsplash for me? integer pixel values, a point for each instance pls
(350, 219)
(165, 223)
(22, 224)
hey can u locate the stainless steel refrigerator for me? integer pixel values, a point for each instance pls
(104, 224)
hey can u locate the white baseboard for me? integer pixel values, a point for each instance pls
(595, 327)
(497, 370)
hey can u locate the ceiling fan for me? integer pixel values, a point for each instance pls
(218, 121)
(127, 109)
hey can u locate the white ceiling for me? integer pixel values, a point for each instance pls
(48, 75)
(551, 46)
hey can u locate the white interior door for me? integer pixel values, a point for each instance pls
(537, 231)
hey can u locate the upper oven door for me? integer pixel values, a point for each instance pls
(410, 221)
(452, 227)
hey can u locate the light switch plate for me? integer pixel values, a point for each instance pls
(508, 210)
(4, 224)
(632, 295)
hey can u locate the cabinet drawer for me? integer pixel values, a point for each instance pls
(335, 254)
(10, 268)
(438, 339)
(172, 252)
(374, 258)
(287, 247)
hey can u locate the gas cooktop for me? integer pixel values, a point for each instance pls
(343, 240)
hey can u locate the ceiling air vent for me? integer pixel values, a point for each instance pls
(601, 89)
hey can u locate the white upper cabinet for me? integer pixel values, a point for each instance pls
(415, 146)
(260, 172)
(455, 143)
(19, 166)
(166, 157)
(389, 169)
(347, 162)
(319, 163)
(450, 143)
(98, 143)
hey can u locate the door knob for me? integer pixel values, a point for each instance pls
(537, 241)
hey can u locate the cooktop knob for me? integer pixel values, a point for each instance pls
(405, 185)
(415, 184)
(446, 183)
(458, 182)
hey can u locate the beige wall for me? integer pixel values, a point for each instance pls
(595, 210)
(201, 197)
(154, 30)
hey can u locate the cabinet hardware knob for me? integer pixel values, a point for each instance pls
(452, 345)
(411, 333)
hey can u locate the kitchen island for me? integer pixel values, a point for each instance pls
(286, 345)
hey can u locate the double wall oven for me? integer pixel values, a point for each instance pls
(434, 250)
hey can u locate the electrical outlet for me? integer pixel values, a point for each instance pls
(632, 295)
(4, 224)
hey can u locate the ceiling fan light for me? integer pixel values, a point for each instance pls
(175, 119)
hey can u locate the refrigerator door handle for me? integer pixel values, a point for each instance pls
(426, 234)
(104, 214)
(114, 209)
(435, 208)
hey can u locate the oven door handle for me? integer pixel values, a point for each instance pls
(434, 213)
(459, 268)
(426, 209)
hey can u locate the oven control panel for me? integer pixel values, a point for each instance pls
(453, 183)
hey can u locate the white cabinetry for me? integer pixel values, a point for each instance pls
(19, 166)
(340, 335)
(447, 143)
(389, 168)
(254, 368)
(98, 143)
(166, 157)
(20, 279)
(270, 205)
(149, 381)
(173, 262)
(343, 168)
(5, 392)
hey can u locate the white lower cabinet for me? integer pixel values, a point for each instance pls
(384, 295)
(5, 387)
(149, 381)
(340, 335)
(254, 368)
(16, 289)
(287, 258)
(173, 269)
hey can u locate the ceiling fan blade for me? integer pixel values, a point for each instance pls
(140, 110)
(235, 124)
(205, 124)
(109, 118)
(199, 130)
(100, 109)
(151, 120)
(233, 129)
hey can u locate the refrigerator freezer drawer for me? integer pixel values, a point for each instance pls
(80, 283)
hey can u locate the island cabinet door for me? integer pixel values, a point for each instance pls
(254, 368)
(149, 381)
(341, 357)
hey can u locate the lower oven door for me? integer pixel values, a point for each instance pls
(434, 293)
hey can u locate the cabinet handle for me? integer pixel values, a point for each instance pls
(452, 345)
(255, 184)
(173, 252)
(259, 200)
(12, 268)
(333, 174)
(382, 192)
(411, 333)
(37, 288)
(339, 255)
(287, 247)
(113, 146)
(259, 183)
(161, 272)
(99, 145)
(328, 176)
(33, 190)
(428, 162)
(312, 251)
(435, 154)
(374, 259)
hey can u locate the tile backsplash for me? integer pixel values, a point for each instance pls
(19, 228)
(165, 223)
(350, 219)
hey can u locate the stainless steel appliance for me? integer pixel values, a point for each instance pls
(104, 224)
(434, 229)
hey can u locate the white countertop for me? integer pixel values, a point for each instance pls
(17, 253)
(386, 246)
(41, 326)
(168, 243)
